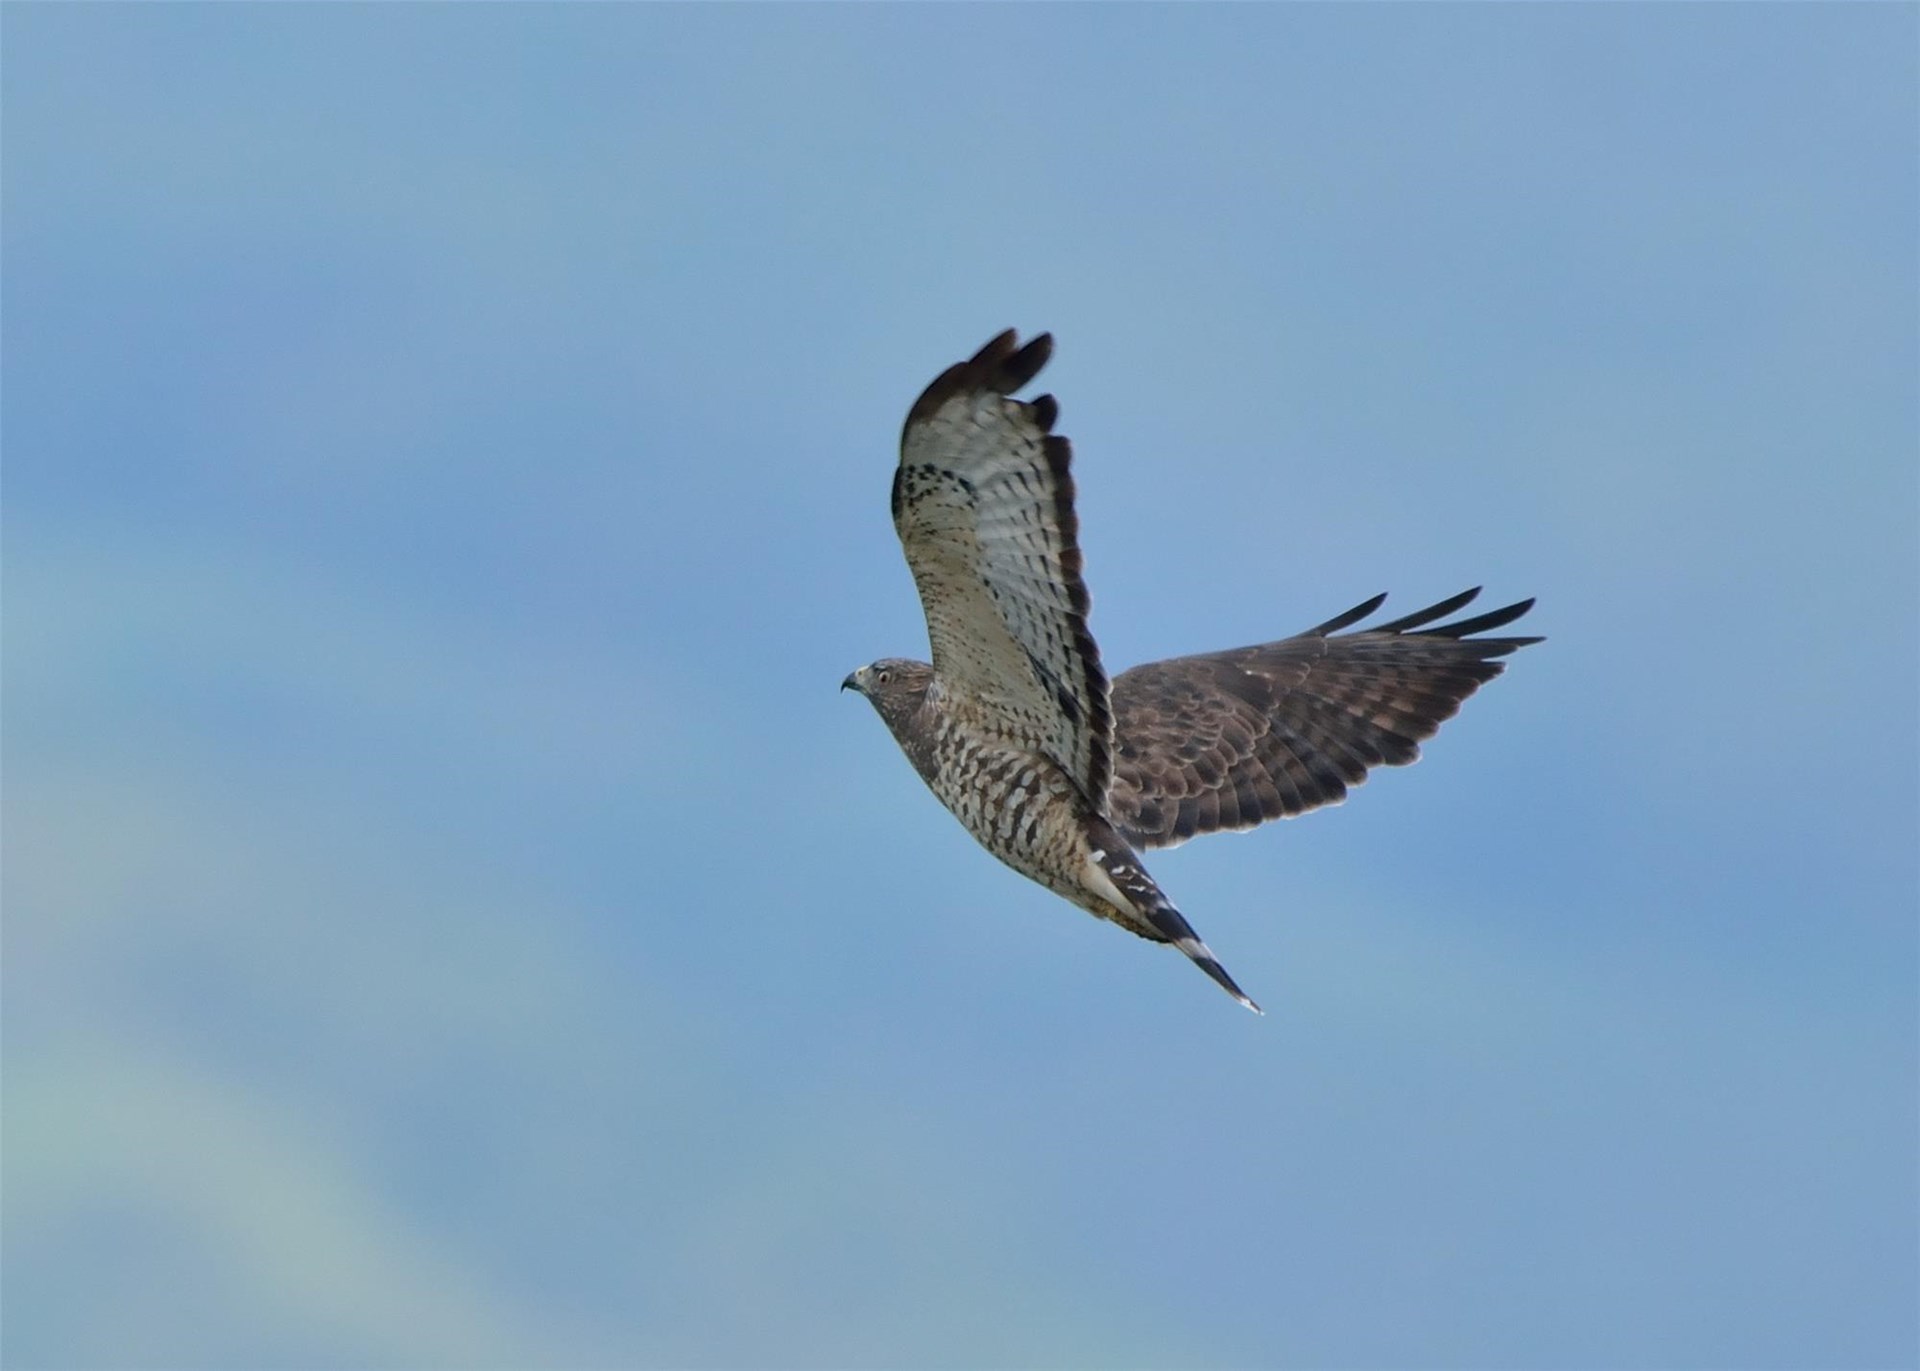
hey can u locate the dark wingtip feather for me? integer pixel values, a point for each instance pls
(1429, 614)
(1492, 619)
(997, 349)
(1352, 616)
(1002, 366)
(1501, 647)
(1020, 368)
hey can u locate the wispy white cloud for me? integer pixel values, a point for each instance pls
(222, 1223)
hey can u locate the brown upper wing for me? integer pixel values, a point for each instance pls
(1228, 740)
(983, 503)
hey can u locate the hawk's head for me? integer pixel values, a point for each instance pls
(895, 686)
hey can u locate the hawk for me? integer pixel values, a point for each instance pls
(1067, 778)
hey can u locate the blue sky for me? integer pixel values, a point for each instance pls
(452, 920)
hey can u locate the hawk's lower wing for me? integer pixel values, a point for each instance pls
(1231, 739)
(983, 503)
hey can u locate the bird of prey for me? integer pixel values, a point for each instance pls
(1066, 778)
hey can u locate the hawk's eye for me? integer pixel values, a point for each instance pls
(885, 675)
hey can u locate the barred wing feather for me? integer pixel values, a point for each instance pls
(1228, 740)
(983, 503)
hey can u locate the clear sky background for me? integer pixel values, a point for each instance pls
(452, 919)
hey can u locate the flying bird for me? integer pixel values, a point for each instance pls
(1067, 778)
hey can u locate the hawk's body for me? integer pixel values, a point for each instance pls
(1014, 725)
(1024, 807)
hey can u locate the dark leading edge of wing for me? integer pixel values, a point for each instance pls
(1228, 740)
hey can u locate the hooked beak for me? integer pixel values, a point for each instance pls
(850, 683)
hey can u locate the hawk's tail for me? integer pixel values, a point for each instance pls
(1163, 923)
(1189, 942)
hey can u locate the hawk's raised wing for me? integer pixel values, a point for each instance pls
(984, 507)
(1231, 739)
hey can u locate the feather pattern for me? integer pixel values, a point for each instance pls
(983, 504)
(1228, 740)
